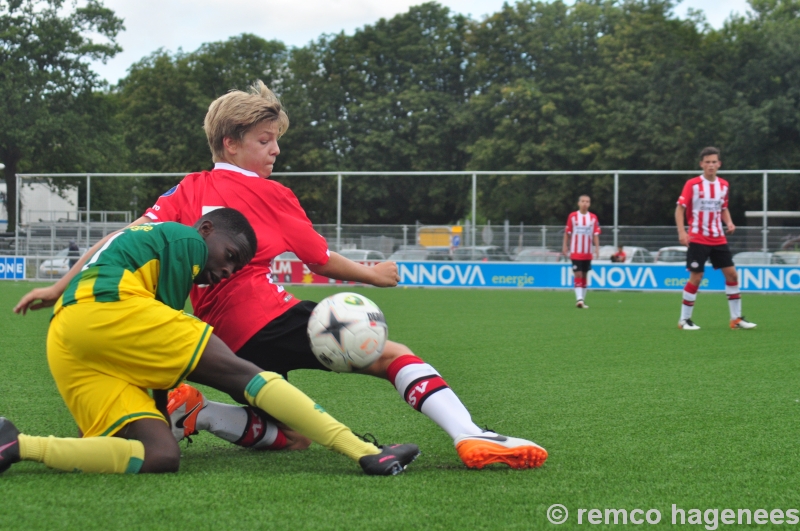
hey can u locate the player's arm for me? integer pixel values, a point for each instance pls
(726, 218)
(597, 246)
(382, 275)
(45, 297)
(564, 248)
(680, 211)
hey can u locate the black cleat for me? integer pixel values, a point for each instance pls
(391, 461)
(9, 444)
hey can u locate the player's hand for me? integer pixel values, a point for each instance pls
(37, 299)
(294, 441)
(386, 275)
(564, 251)
(683, 238)
(730, 228)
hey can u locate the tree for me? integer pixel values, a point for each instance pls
(46, 84)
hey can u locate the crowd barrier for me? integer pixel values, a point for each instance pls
(639, 277)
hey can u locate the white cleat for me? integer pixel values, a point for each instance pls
(477, 451)
(687, 324)
(581, 304)
(741, 323)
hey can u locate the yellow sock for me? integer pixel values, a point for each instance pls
(104, 455)
(269, 392)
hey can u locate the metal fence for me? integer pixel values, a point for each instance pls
(48, 237)
(43, 241)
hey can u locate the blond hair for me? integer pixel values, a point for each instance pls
(235, 113)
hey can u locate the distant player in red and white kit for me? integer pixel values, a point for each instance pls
(704, 202)
(583, 236)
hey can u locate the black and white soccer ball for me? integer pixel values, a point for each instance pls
(347, 332)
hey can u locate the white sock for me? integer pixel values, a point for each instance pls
(687, 306)
(425, 390)
(583, 293)
(734, 300)
(235, 423)
(578, 294)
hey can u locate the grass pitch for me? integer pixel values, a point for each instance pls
(634, 413)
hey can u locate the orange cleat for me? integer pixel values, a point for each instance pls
(740, 322)
(183, 406)
(477, 451)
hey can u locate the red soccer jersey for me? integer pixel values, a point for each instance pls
(704, 201)
(240, 306)
(583, 227)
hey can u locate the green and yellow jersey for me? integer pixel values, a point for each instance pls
(153, 260)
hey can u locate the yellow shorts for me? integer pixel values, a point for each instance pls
(104, 356)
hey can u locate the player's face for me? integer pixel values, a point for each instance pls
(257, 151)
(584, 203)
(710, 165)
(226, 255)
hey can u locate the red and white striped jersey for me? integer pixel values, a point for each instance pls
(704, 201)
(582, 227)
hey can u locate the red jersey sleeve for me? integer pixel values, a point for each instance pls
(596, 224)
(168, 206)
(300, 236)
(569, 224)
(727, 191)
(686, 195)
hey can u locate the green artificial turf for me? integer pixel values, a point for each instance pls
(634, 413)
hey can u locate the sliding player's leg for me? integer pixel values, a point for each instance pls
(424, 389)
(248, 427)
(283, 346)
(220, 368)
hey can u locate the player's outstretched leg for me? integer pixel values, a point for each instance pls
(268, 391)
(423, 388)
(248, 427)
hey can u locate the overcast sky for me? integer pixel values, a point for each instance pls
(174, 24)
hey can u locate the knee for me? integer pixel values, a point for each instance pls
(161, 458)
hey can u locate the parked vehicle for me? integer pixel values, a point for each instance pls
(671, 255)
(785, 257)
(421, 254)
(58, 266)
(483, 253)
(633, 255)
(362, 255)
(538, 254)
(752, 258)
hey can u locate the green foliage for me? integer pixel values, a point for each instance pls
(592, 85)
(50, 118)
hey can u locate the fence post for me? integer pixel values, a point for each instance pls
(474, 210)
(544, 236)
(764, 228)
(506, 231)
(405, 236)
(339, 214)
(616, 210)
(88, 210)
(16, 216)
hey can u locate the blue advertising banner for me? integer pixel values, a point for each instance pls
(662, 277)
(12, 267)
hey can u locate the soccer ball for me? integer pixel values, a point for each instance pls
(347, 332)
